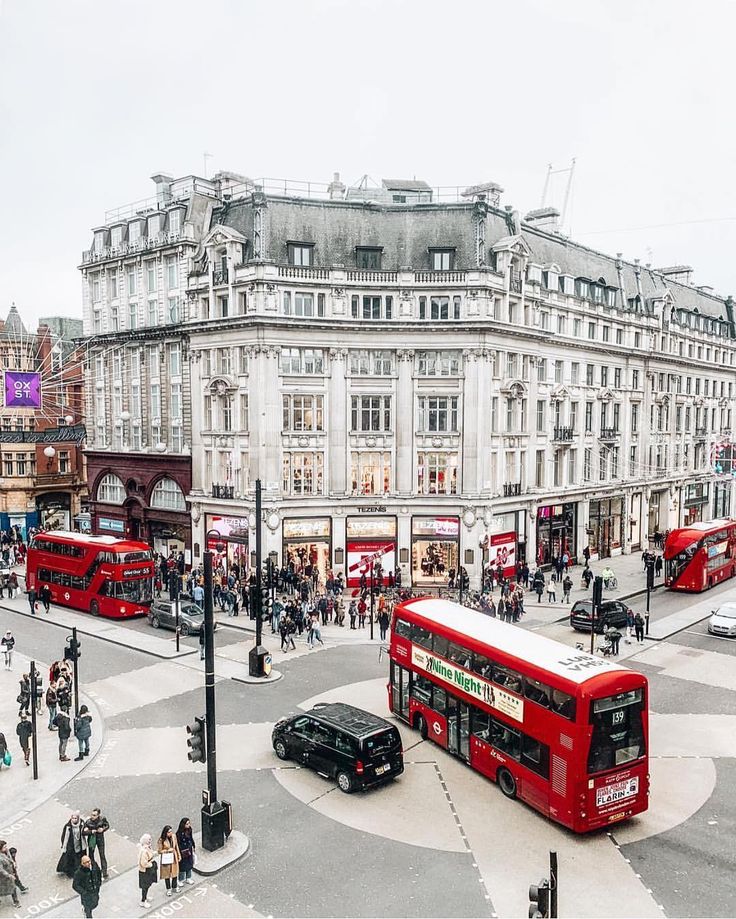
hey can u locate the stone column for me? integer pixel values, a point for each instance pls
(485, 393)
(337, 431)
(404, 423)
(265, 414)
(471, 408)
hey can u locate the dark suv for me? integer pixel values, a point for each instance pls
(356, 748)
(613, 612)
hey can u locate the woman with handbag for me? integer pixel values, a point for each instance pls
(185, 838)
(147, 867)
(5, 757)
(168, 849)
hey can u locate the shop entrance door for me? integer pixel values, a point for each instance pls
(458, 728)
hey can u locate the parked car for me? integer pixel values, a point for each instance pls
(356, 748)
(612, 612)
(723, 621)
(162, 615)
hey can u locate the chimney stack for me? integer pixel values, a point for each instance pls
(336, 188)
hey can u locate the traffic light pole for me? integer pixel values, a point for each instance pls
(34, 703)
(259, 564)
(75, 662)
(372, 570)
(209, 680)
(650, 584)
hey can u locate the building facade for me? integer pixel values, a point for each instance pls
(42, 480)
(438, 383)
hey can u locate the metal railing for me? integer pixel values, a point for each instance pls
(223, 491)
(564, 434)
(609, 433)
(220, 276)
(511, 489)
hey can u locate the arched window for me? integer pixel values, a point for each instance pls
(111, 490)
(168, 495)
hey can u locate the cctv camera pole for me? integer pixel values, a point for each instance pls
(33, 719)
(209, 680)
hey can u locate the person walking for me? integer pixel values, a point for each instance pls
(551, 590)
(658, 566)
(87, 882)
(185, 839)
(24, 695)
(314, 630)
(8, 644)
(198, 595)
(24, 730)
(4, 751)
(538, 584)
(44, 596)
(286, 634)
(566, 588)
(12, 584)
(147, 868)
(383, 623)
(83, 732)
(353, 613)
(7, 875)
(95, 827)
(639, 628)
(168, 849)
(14, 858)
(64, 727)
(614, 636)
(361, 612)
(72, 846)
(629, 626)
(51, 700)
(32, 600)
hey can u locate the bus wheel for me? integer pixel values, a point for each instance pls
(506, 782)
(421, 725)
(94, 608)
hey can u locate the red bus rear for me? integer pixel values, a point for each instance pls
(562, 730)
(98, 574)
(701, 555)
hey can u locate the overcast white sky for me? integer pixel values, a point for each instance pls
(97, 96)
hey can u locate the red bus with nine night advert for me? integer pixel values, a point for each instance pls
(563, 730)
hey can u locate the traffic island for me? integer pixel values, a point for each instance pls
(236, 846)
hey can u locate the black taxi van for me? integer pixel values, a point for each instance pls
(356, 748)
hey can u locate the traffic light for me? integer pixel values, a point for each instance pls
(265, 600)
(174, 585)
(197, 741)
(597, 591)
(72, 650)
(650, 574)
(464, 580)
(539, 900)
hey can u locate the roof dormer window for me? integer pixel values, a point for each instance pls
(368, 257)
(442, 259)
(300, 254)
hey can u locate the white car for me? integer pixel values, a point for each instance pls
(723, 621)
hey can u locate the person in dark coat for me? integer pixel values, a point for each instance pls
(83, 732)
(24, 731)
(383, 623)
(64, 728)
(185, 838)
(44, 595)
(95, 827)
(86, 882)
(72, 846)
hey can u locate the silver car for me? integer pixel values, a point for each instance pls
(723, 621)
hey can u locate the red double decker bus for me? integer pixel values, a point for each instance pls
(701, 555)
(98, 574)
(562, 730)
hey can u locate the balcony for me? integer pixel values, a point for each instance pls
(701, 432)
(564, 435)
(609, 434)
(220, 276)
(223, 491)
(511, 489)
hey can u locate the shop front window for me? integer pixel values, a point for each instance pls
(556, 532)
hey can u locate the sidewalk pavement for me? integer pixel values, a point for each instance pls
(629, 572)
(20, 792)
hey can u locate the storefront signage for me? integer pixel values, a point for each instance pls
(74, 434)
(436, 526)
(363, 553)
(303, 528)
(385, 526)
(22, 389)
(503, 552)
(480, 689)
(236, 527)
(373, 509)
(115, 526)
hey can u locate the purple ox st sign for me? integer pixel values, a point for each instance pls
(22, 389)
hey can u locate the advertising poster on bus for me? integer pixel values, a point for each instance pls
(362, 553)
(502, 551)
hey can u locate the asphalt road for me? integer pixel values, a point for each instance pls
(304, 863)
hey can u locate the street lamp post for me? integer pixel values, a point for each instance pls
(258, 654)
